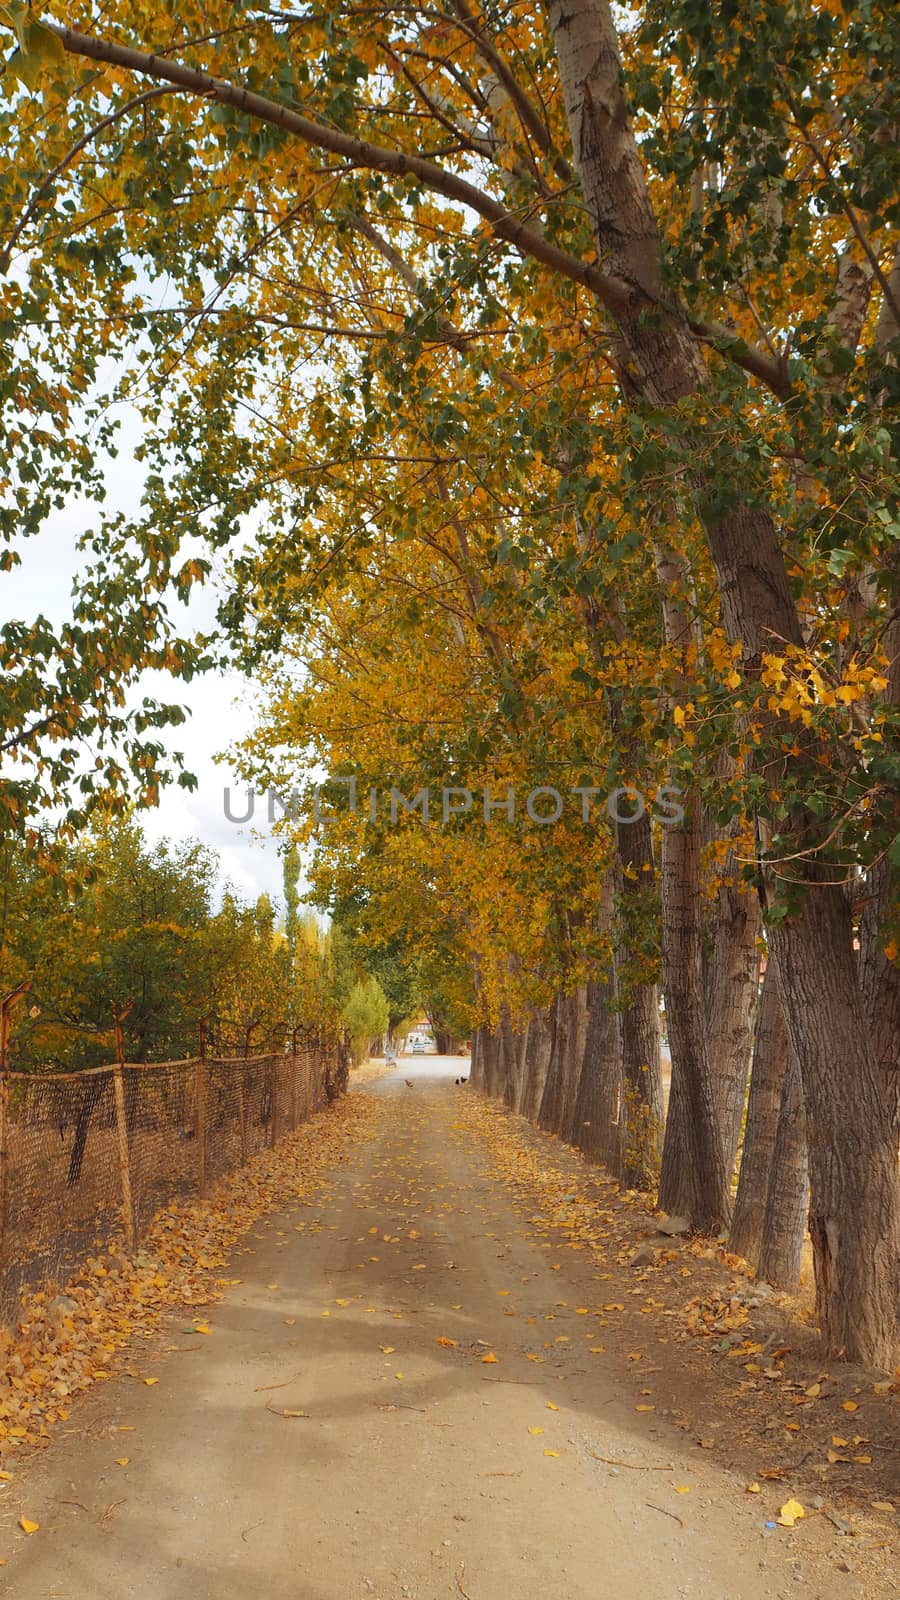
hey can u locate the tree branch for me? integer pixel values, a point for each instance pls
(612, 293)
(617, 296)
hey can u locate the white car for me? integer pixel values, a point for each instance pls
(418, 1048)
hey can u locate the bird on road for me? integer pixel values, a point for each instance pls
(408, 1082)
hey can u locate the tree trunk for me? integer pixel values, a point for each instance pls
(476, 1067)
(538, 1048)
(598, 1123)
(693, 1182)
(512, 1052)
(638, 1008)
(492, 1065)
(732, 986)
(781, 1247)
(854, 1222)
(558, 1099)
(770, 1059)
(578, 1014)
(880, 978)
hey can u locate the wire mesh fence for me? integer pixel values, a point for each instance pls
(86, 1156)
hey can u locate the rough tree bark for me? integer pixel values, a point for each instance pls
(638, 1011)
(770, 1059)
(781, 1245)
(693, 1181)
(732, 985)
(598, 1122)
(538, 1048)
(558, 1100)
(512, 1054)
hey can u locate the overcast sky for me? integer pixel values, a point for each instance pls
(219, 706)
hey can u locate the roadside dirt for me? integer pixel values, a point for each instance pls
(403, 1396)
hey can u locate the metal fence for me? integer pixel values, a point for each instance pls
(88, 1155)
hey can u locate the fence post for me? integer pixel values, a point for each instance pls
(200, 1093)
(294, 1081)
(242, 1110)
(273, 1137)
(122, 1134)
(5, 1010)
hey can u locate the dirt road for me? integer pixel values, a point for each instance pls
(342, 1432)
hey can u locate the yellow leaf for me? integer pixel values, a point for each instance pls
(833, 1455)
(342, 1302)
(552, 1453)
(864, 1461)
(150, 1381)
(881, 1505)
(27, 1526)
(6, 1477)
(535, 1430)
(122, 1461)
(841, 1444)
(682, 1488)
(753, 1488)
(388, 1349)
(597, 1350)
(814, 1390)
(490, 1360)
(645, 1408)
(849, 1405)
(286, 1413)
(202, 1327)
(551, 1406)
(448, 1344)
(791, 1513)
(398, 1374)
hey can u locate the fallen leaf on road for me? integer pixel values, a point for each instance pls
(122, 1461)
(552, 1453)
(551, 1406)
(535, 1430)
(791, 1513)
(387, 1349)
(682, 1488)
(753, 1488)
(448, 1344)
(490, 1360)
(150, 1381)
(28, 1526)
(849, 1405)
